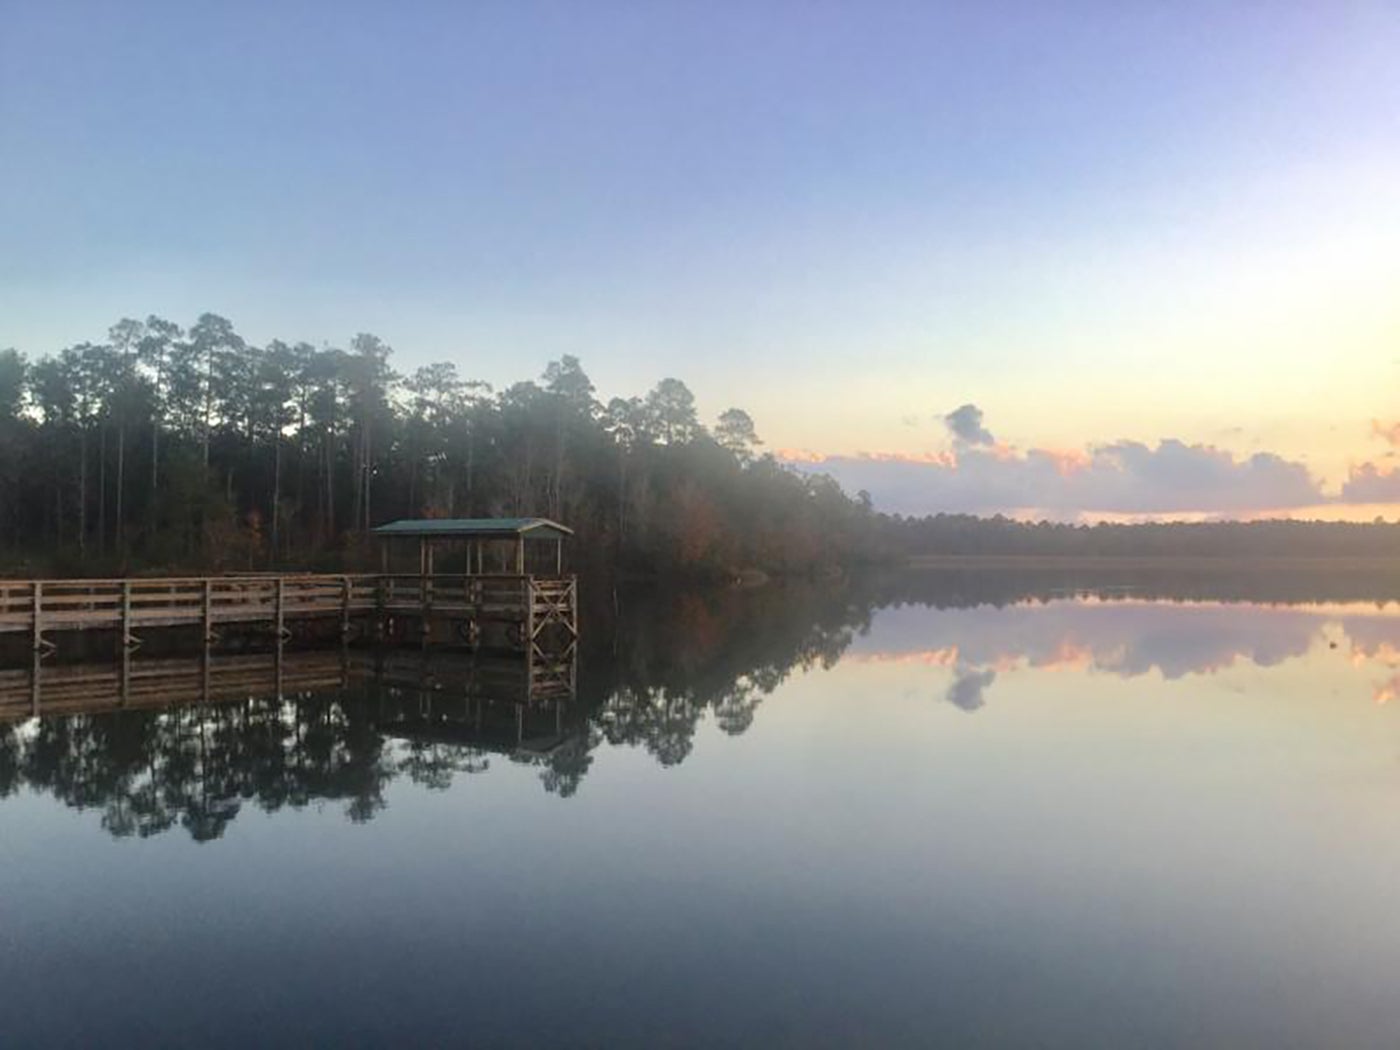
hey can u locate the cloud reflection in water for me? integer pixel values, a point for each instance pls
(1127, 639)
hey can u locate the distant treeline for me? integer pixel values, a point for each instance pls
(165, 447)
(965, 534)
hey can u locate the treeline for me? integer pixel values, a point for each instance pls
(163, 447)
(966, 534)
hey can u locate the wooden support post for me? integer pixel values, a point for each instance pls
(124, 640)
(34, 675)
(559, 556)
(380, 614)
(37, 664)
(425, 589)
(37, 615)
(520, 555)
(208, 632)
(345, 610)
(281, 630)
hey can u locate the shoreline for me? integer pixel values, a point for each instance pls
(1177, 562)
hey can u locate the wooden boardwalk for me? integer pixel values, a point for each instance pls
(530, 605)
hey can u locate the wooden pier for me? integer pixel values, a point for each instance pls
(529, 606)
(530, 612)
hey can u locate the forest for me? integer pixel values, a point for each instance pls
(164, 447)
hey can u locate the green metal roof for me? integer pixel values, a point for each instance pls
(530, 528)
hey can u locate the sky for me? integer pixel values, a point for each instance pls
(1156, 246)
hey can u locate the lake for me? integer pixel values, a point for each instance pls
(958, 809)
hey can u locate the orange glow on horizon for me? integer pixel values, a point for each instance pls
(1387, 691)
(1067, 462)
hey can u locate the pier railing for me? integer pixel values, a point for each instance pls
(38, 607)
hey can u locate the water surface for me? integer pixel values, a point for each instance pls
(1022, 816)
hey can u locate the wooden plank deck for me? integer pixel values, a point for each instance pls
(40, 607)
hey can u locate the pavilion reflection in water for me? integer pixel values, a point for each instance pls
(510, 706)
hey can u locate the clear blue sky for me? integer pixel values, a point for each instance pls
(1097, 221)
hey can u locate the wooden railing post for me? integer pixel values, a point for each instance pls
(126, 614)
(281, 615)
(37, 615)
(124, 641)
(38, 626)
(425, 600)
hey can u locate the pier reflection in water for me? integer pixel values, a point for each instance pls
(958, 808)
(189, 740)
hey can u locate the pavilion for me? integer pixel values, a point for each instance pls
(508, 535)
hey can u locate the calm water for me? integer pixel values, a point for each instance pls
(985, 814)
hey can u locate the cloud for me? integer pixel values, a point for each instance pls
(965, 424)
(968, 685)
(1369, 484)
(1387, 691)
(1125, 638)
(976, 474)
(1387, 432)
(1124, 477)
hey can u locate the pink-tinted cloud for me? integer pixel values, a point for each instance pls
(1125, 477)
(1387, 691)
(1387, 432)
(1367, 483)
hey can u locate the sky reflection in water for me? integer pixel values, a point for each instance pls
(1048, 823)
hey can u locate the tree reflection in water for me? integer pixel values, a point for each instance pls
(650, 678)
(352, 724)
(197, 766)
